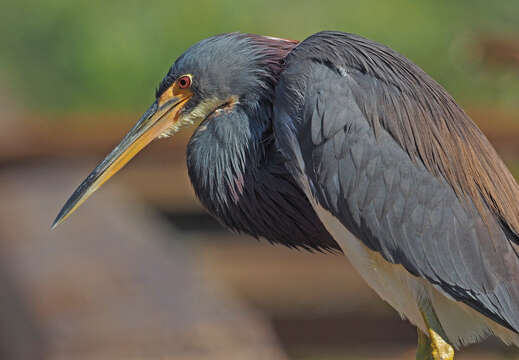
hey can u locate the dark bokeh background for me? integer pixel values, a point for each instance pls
(75, 75)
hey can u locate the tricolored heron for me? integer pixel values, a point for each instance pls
(338, 143)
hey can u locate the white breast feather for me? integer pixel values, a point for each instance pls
(402, 290)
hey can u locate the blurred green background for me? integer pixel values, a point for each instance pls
(75, 75)
(65, 56)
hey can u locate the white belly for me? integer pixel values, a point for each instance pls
(401, 290)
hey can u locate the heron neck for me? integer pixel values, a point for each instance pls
(224, 154)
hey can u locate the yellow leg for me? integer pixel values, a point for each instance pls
(441, 350)
(438, 348)
(424, 347)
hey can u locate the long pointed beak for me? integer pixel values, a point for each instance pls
(155, 121)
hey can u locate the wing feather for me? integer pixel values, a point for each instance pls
(386, 150)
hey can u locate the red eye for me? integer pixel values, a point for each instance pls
(184, 82)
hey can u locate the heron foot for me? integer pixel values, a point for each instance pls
(441, 350)
(435, 345)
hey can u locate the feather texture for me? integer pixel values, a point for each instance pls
(381, 146)
(423, 118)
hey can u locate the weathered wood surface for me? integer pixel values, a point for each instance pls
(20, 336)
(26, 136)
(113, 282)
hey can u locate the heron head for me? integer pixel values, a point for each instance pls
(214, 75)
(223, 71)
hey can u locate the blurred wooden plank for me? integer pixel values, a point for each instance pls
(113, 282)
(20, 336)
(320, 307)
(287, 282)
(165, 184)
(159, 173)
(33, 136)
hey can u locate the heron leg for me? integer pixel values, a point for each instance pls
(434, 346)
(423, 352)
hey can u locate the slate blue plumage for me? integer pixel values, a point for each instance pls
(339, 143)
(328, 102)
(383, 196)
(234, 165)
